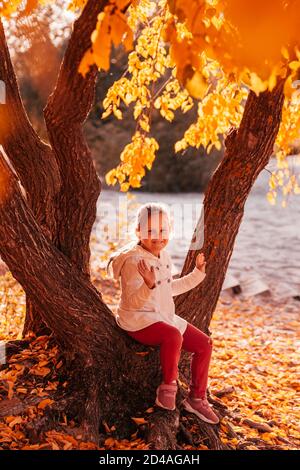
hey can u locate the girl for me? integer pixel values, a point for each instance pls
(147, 311)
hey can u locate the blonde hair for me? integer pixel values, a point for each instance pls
(141, 218)
(149, 209)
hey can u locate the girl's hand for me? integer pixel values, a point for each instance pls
(147, 274)
(200, 262)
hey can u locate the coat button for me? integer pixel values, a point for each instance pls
(158, 282)
(157, 267)
(167, 265)
(169, 280)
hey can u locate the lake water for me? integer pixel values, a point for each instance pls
(267, 245)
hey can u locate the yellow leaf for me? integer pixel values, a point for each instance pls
(294, 65)
(10, 389)
(42, 404)
(139, 420)
(118, 113)
(17, 420)
(285, 53)
(197, 86)
(41, 371)
(150, 410)
(109, 441)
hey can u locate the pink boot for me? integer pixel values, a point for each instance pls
(166, 396)
(201, 408)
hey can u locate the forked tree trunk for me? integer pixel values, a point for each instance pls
(72, 308)
(107, 379)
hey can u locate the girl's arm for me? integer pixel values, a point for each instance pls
(187, 282)
(134, 287)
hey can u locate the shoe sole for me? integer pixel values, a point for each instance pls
(162, 406)
(188, 407)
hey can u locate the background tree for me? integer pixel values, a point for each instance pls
(45, 233)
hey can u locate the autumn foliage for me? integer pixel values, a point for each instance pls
(205, 53)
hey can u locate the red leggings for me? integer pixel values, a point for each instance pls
(171, 342)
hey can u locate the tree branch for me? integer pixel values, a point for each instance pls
(67, 109)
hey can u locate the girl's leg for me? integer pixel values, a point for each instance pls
(197, 342)
(169, 339)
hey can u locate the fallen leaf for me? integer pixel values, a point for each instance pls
(42, 404)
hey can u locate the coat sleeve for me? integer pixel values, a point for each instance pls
(187, 282)
(134, 288)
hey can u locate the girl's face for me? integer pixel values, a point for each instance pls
(154, 235)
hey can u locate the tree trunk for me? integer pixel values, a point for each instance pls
(65, 113)
(247, 151)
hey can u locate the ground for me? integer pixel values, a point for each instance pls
(253, 373)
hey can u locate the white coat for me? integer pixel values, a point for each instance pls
(141, 306)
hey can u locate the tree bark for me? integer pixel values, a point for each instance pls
(65, 113)
(247, 151)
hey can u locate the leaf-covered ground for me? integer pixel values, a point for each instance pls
(253, 372)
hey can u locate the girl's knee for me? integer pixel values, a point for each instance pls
(209, 346)
(174, 336)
